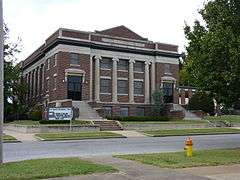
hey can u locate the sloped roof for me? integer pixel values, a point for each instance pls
(121, 31)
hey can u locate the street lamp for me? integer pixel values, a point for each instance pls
(1, 83)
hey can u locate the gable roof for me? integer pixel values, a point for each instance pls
(121, 31)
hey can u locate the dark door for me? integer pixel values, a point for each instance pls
(75, 88)
(168, 92)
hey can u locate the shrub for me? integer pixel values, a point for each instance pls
(35, 114)
(54, 122)
(201, 101)
(139, 118)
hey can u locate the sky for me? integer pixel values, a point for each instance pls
(158, 20)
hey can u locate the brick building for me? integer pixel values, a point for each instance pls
(112, 72)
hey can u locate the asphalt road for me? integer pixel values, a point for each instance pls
(33, 150)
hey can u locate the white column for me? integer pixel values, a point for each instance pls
(146, 82)
(43, 79)
(114, 80)
(38, 76)
(30, 85)
(97, 78)
(91, 81)
(153, 74)
(131, 81)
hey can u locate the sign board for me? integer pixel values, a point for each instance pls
(60, 114)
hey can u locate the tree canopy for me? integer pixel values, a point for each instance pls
(213, 52)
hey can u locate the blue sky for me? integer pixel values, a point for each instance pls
(158, 20)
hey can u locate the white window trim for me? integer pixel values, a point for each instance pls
(105, 93)
(120, 70)
(140, 72)
(122, 94)
(142, 80)
(106, 69)
(105, 77)
(123, 79)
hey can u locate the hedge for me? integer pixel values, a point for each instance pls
(54, 122)
(139, 118)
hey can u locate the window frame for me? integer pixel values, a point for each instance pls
(109, 65)
(138, 108)
(119, 65)
(104, 110)
(120, 112)
(76, 59)
(135, 67)
(108, 88)
(118, 89)
(134, 88)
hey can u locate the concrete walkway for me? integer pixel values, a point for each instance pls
(23, 137)
(129, 133)
(130, 170)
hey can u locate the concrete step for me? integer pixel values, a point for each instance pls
(108, 125)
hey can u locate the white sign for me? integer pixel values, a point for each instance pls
(60, 114)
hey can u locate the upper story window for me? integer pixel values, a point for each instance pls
(167, 69)
(74, 59)
(138, 87)
(106, 63)
(105, 86)
(55, 60)
(48, 63)
(122, 86)
(139, 66)
(123, 64)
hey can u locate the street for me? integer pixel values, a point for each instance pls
(33, 150)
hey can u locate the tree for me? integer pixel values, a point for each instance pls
(213, 52)
(158, 102)
(13, 90)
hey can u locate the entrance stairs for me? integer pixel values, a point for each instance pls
(109, 125)
(188, 114)
(86, 112)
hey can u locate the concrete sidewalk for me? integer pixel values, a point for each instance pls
(129, 133)
(23, 137)
(130, 170)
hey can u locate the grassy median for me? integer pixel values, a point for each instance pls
(183, 132)
(8, 138)
(36, 123)
(77, 135)
(179, 160)
(46, 168)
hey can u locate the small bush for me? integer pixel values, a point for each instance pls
(35, 114)
(201, 101)
(139, 118)
(54, 122)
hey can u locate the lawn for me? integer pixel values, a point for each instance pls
(166, 122)
(77, 135)
(229, 118)
(179, 160)
(31, 122)
(182, 132)
(46, 168)
(8, 138)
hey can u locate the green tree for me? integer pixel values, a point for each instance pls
(158, 102)
(13, 90)
(213, 52)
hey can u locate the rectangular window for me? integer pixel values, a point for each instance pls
(74, 59)
(55, 82)
(167, 69)
(138, 87)
(55, 60)
(107, 111)
(106, 63)
(105, 86)
(123, 64)
(139, 66)
(123, 111)
(140, 111)
(48, 63)
(122, 87)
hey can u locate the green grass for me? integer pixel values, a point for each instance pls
(229, 118)
(77, 135)
(8, 138)
(179, 160)
(46, 168)
(166, 122)
(31, 123)
(182, 132)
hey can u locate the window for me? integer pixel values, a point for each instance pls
(139, 66)
(123, 111)
(48, 63)
(106, 63)
(167, 69)
(138, 87)
(123, 64)
(55, 82)
(107, 111)
(140, 111)
(74, 59)
(105, 86)
(122, 87)
(55, 60)
(47, 85)
(168, 92)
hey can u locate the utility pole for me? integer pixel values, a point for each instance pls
(1, 83)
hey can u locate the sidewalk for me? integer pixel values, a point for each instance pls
(130, 170)
(23, 137)
(129, 133)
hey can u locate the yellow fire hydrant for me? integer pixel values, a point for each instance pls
(188, 147)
